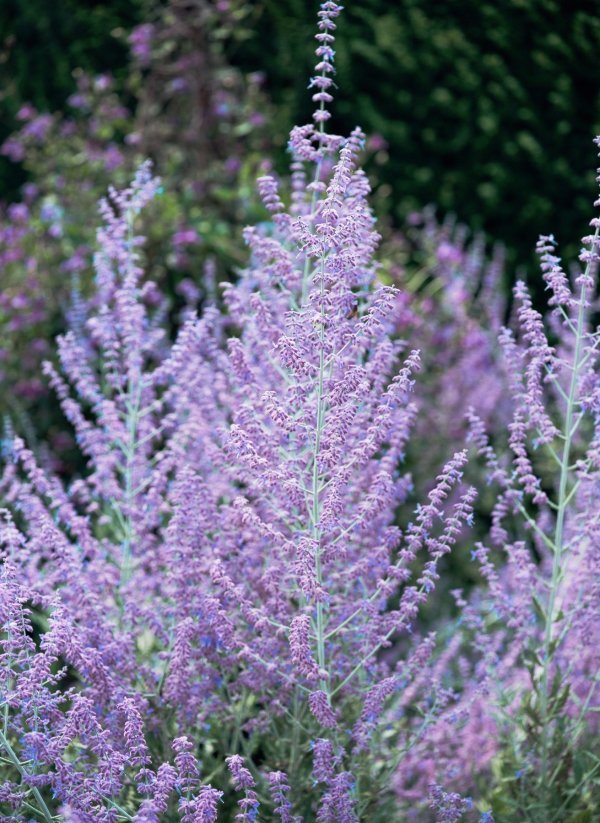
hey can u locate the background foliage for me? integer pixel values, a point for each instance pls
(488, 109)
(42, 43)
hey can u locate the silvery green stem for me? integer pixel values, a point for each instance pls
(316, 504)
(559, 548)
(132, 420)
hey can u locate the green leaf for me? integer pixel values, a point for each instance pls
(539, 610)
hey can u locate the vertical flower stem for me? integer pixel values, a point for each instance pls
(316, 503)
(313, 202)
(295, 744)
(559, 548)
(132, 406)
(316, 506)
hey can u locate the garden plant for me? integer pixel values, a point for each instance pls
(243, 604)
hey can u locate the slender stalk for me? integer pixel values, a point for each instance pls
(296, 728)
(313, 203)
(564, 497)
(134, 392)
(531, 522)
(575, 790)
(316, 503)
(372, 652)
(132, 405)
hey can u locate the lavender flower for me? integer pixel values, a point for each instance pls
(237, 582)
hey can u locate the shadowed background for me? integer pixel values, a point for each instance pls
(486, 109)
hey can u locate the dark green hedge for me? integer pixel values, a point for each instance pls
(489, 108)
(42, 42)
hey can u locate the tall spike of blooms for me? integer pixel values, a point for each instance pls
(317, 435)
(90, 559)
(325, 53)
(236, 584)
(243, 781)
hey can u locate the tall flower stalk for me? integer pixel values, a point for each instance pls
(584, 346)
(555, 390)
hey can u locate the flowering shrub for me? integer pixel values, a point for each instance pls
(223, 617)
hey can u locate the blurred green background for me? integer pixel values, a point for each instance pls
(487, 109)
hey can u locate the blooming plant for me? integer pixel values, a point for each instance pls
(548, 601)
(221, 619)
(529, 695)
